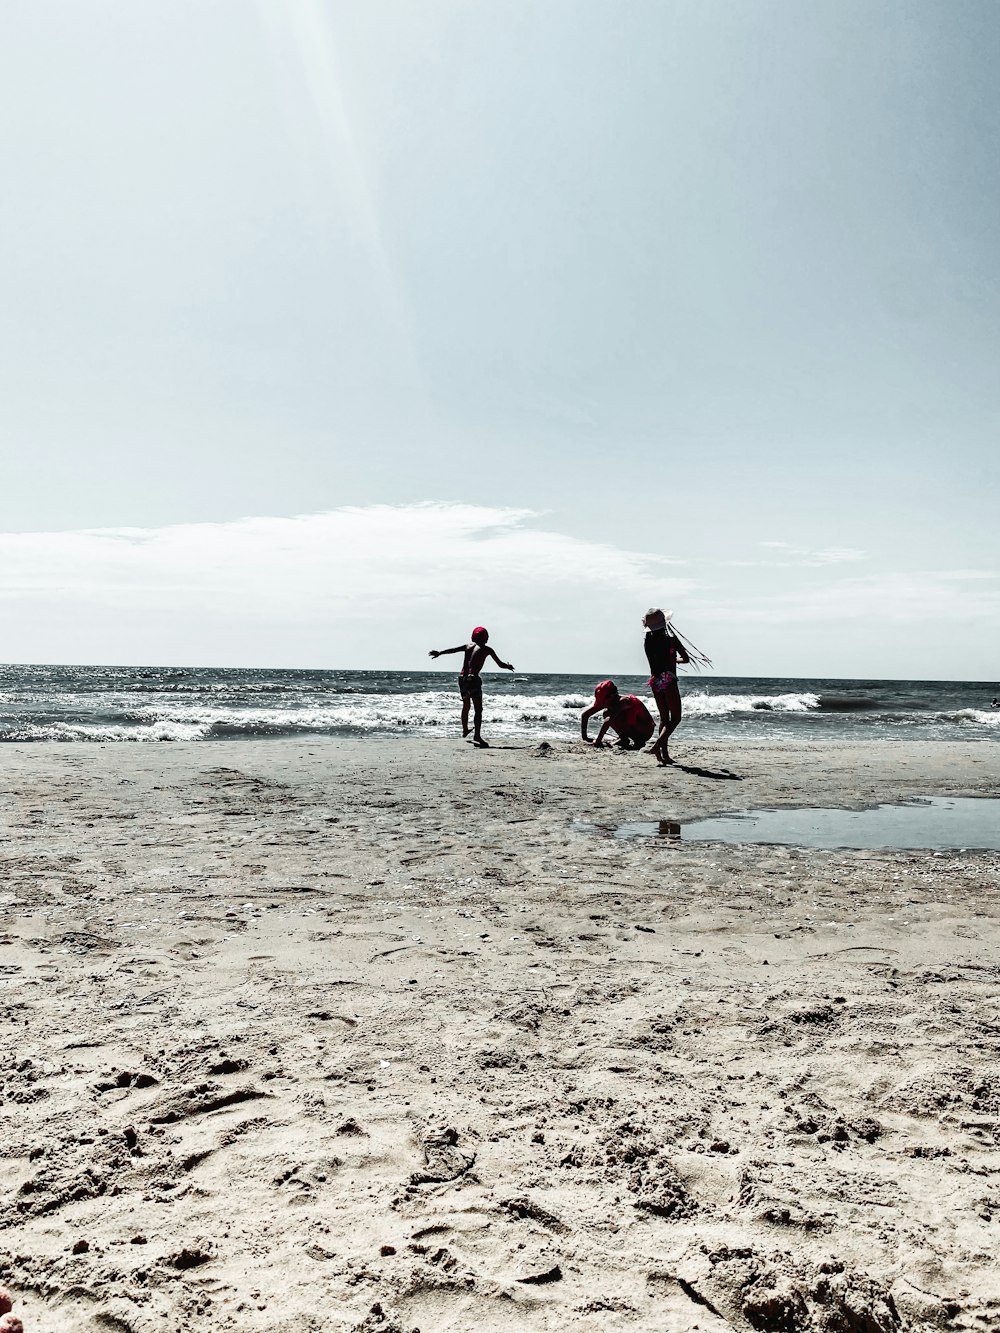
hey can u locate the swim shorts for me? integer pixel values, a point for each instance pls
(662, 682)
(470, 687)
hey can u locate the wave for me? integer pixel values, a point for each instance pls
(720, 705)
(538, 715)
(979, 717)
(97, 731)
(165, 710)
(847, 703)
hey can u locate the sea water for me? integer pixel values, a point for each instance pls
(203, 704)
(929, 822)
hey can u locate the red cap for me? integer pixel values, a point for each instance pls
(480, 631)
(604, 691)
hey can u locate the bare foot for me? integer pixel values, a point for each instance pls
(483, 745)
(9, 1323)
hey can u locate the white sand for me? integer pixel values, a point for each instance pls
(367, 1036)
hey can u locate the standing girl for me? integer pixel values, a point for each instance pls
(663, 651)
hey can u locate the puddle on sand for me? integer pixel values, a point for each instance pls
(932, 822)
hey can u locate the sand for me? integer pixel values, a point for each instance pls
(367, 1036)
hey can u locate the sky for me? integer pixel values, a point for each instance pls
(330, 329)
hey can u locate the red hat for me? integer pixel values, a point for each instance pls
(604, 691)
(480, 631)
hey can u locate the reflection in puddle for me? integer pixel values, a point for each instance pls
(638, 828)
(662, 828)
(933, 822)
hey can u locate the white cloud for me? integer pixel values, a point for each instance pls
(832, 555)
(917, 597)
(802, 557)
(355, 586)
(379, 586)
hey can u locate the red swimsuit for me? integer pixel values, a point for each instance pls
(632, 718)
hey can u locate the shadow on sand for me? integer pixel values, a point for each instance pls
(720, 775)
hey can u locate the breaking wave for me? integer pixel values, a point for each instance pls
(69, 704)
(978, 717)
(721, 705)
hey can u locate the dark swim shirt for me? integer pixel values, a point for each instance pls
(661, 652)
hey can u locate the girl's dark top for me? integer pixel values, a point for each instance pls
(661, 651)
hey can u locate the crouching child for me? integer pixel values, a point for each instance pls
(626, 715)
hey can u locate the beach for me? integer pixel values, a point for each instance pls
(391, 1034)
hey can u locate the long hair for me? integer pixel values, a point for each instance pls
(697, 657)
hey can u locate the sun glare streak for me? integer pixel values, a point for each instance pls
(307, 27)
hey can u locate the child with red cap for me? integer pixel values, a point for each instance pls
(470, 685)
(627, 715)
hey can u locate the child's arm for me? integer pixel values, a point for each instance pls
(682, 653)
(585, 717)
(603, 731)
(506, 666)
(618, 711)
(443, 652)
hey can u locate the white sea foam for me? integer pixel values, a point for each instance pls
(719, 705)
(978, 717)
(121, 704)
(535, 715)
(103, 731)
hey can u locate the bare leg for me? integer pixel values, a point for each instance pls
(659, 746)
(477, 738)
(672, 697)
(465, 715)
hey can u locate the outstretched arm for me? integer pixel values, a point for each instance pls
(443, 652)
(506, 666)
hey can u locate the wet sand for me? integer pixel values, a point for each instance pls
(366, 1036)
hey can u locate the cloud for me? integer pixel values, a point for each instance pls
(915, 597)
(802, 557)
(832, 555)
(366, 585)
(380, 585)
(368, 557)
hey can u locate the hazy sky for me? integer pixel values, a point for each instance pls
(330, 328)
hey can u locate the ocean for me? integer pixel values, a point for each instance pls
(60, 703)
